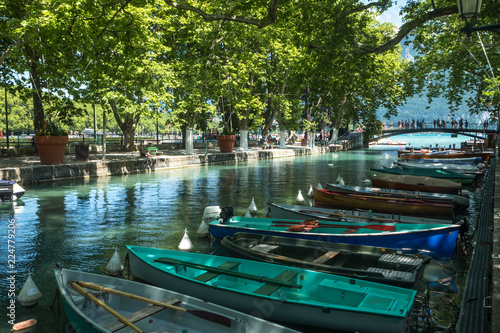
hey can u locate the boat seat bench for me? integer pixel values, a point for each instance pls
(325, 257)
(116, 325)
(268, 289)
(207, 276)
(344, 293)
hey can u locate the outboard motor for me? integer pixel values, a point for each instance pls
(225, 214)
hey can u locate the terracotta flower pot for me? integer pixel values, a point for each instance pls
(226, 143)
(51, 149)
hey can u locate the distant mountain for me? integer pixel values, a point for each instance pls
(418, 107)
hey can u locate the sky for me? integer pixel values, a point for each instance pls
(392, 15)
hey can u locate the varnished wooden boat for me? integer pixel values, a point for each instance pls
(383, 191)
(295, 295)
(415, 183)
(175, 312)
(385, 204)
(357, 261)
(442, 155)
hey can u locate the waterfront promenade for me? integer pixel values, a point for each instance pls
(27, 169)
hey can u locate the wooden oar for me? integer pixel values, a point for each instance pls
(389, 198)
(216, 318)
(352, 216)
(262, 279)
(380, 227)
(106, 307)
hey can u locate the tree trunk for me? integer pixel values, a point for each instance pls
(127, 127)
(38, 111)
(189, 141)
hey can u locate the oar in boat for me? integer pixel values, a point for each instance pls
(106, 307)
(262, 279)
(216, 318)
(380, 227)
(395, 199)
(353, 216)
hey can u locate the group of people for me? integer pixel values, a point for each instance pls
(438, 123)
(441, 123)
(407, 124)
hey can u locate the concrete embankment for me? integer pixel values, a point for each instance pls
(27, 169)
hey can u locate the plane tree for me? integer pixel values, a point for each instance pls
(451, 63)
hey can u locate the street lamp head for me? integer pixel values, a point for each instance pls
(469, 9)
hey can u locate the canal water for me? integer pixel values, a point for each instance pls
(79, 223)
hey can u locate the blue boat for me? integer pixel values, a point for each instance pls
(435, 240)
(277, 292)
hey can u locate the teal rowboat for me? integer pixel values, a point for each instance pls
(275, 292)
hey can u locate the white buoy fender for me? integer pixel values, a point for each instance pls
(341, 181)
(310, 193)
(29, 294)
(248, 214)
(300, 198)
(115, 266)
(319, 187)
(185, 244)
(202, 230)
(252, 208)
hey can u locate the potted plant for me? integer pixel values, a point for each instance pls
(226, 140)
(51, 142)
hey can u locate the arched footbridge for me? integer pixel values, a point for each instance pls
(480, 132)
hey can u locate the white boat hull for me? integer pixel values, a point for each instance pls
(87, 317)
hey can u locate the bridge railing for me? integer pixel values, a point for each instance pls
(472, 126)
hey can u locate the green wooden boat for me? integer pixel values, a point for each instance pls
(276, 292)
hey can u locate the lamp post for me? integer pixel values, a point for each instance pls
(469, 11)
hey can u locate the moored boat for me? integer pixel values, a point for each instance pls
(297, 212)
(162, 310)
(382, 191)
(459, 161)
(465, 179)
(415, 183)
(485, 156)
(435, 240)
(357, 261)
(458, 168)
(296, 296)
(10, 190)
(385, 204)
